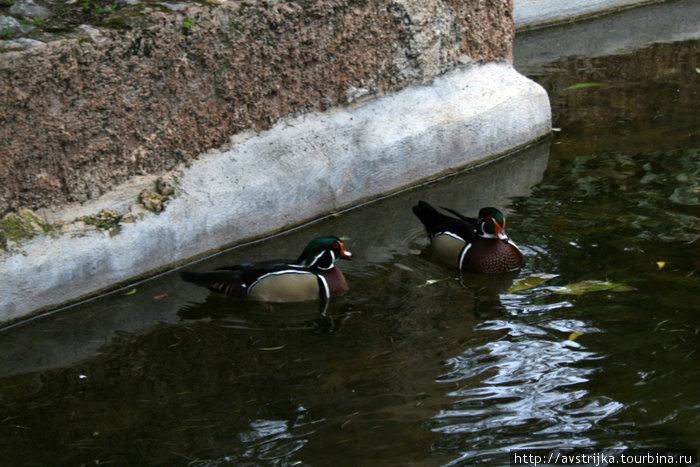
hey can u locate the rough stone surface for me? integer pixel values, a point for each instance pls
(8, 25)
(29, 9)
(82, 115)
(22, 43)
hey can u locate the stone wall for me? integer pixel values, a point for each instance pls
(79, 116)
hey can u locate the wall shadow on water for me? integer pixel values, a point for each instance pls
(376, 233)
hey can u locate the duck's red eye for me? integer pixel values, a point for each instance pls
(336, 245)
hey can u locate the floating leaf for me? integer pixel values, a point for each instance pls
(661, 264)
(582, 86)
(658, 325)
(161, 296)
(131, 292)
(272, 348)
(529, 282)
(583, 287)
(574, 335)
(431, 282)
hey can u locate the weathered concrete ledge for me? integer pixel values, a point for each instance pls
(299, 169)
(533, 14)
(624, 32)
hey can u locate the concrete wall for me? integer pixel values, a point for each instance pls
(258, 116)
(532, 14)
(80, 116)
(626, 31)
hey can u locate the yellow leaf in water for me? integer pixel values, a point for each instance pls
(131, 292)
(431, 282)
(583, 287)
(574, 335)
(661, 264)
(530, 282)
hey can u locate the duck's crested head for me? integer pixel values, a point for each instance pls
(492, 224)
(323, 252)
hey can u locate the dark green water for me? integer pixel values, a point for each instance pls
(401, 370)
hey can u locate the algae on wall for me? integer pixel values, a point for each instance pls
(21, 226)
(16, 228)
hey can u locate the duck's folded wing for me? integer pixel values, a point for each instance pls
(224, 282)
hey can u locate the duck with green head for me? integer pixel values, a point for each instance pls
(470, 244)
(312, 276)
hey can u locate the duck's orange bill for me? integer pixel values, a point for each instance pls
(344, 253)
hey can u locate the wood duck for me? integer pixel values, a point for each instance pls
(475, 245)
(310, 277)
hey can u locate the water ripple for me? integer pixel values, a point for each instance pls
(271, 440)
(527, 384)
(525, 304)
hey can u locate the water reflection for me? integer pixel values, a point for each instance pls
(611, 35)
(250, 315)
(273, 440)
(525, 390)
(581, 371)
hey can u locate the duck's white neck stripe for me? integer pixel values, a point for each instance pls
(326, 289)
(463, 254)
(316, 258)
(510, 242)
(449, 234)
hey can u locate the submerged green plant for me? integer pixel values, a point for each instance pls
(583, 86)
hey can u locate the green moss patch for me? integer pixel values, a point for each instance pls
(155, 201)
(104, 220)
(16, 227)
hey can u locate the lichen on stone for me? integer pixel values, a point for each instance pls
(20, 226)
(155, 201)
(104, 220)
